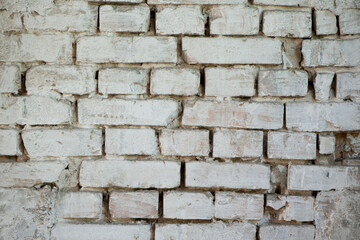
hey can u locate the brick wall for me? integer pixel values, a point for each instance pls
(180, 119)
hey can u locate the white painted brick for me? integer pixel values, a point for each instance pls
(237, 143)
(40, 6)
(322, 117)
(322, 178)
(175, 81)
(287, 232)
(234, 20)
(10, 79)
(227, 175)
(338, 53)
(288, 145)
(34, 110)
(325, 22)
(70, 16)
(184, 142)
(209, 231)
(130, 141)
(326, 144)
(228, 50)
(179, 20)
(68, 231)
(317, 4)
(10, 21)
(292, 208)
(32, 48)
(154, 112)
(294, 24)
(322, 85)
(117, 1)
(230, 205)
(80, 205)
(9, 142)
(26, 213)
(130, 174)
(230, 82)
(349, 21)
(123, 81)
(124, 18)
(196, 2)
(63, 79)
(107, 49)
(348, 85)
(139, 204)
(283, 83)
(45, 142)
(188, 205)
(343, 4)
(233, 114)
(29, 174)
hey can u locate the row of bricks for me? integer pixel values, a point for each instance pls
(45, 142)
(300, 116)
(185, 205)
(171, 20)
(219, 82)
(166, 175)
(154, 49)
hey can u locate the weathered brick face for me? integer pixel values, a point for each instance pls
(180, 119)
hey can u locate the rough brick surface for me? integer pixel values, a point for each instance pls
(9, 142)
(325, 22)
(326, 144)
(87, 205)
(10, 79)
(349, 21)
(322, 85)
(293, 232)
(347, 85)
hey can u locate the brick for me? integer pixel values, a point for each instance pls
(114, 111)
(179, 20)
(349, 21)
(348, 85)
(325, 22)
(322, 85)
(209, 2)
(351, 148)
(288, 145)
(284, 232)
(188, 205)
(26, 213)
(342, 4)
(10, 21)
(87, 205)
(10, 79)
(283, 83)
(75, 16)
(139, 204)
(237, 143)
(69, 231)
(322, 117)
(210, 231)
(184, 142)
(326, 144)
(230, 205)
(40, 6)
(31, 48)
(29, 174)
(291, 208)
(9, 142)
(230, 82)
(232, 50)
(117, 1)
(230, 20)
(130, 174)
(338, 53)
(63, 79)
(130, 141)
(131, 18)
(322, 178)
(317, 4)
(45, 142)
(233, 114)
(227, 175)
(34, 110)
(175, 81)
(337, 214)
(108, 49)
(123, 81)
(294, 24)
